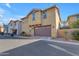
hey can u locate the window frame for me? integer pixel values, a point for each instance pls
(33, 16)
(44, 15)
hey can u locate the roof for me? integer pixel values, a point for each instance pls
(36, 10)
(14, 21)
(51, 7)
(33, 10)
(75, 14)
(72, 16)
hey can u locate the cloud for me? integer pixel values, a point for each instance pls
(8, 5)
(18, 17)
(1, 16)
(2, 12)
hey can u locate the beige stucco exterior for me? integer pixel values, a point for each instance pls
(52, 19)
(25, 25)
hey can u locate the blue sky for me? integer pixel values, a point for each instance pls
(18, 10)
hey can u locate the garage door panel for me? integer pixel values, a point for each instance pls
(43, 31)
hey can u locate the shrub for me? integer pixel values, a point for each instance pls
(75, 35)
(23, 33)
(75, 24)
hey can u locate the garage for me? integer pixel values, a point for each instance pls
(42, 31)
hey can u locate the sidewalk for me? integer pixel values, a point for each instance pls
(69, 40)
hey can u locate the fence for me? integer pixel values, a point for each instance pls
(66, 33)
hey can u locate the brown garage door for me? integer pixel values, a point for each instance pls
(43, 31)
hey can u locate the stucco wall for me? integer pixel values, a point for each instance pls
(47, 20)
(37, 18)
(55, 23)
(18, 27)
(25, 26)
(58, 20)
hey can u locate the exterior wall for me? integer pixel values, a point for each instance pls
(25, 26)
(33, 22)
(37, 18)
(47, 20)
(9, 28)
(55, 23)
(58, 20)
(18, 27)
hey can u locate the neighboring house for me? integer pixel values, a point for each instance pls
(42, 22)
(14, 26)
(67, 30)
(71, 19)
(64, 25)
(5, 28)
(1, 28)
(11, 26)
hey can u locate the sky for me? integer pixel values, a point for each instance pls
(17, 11)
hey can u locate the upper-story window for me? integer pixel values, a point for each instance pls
(33, 16)
(44, 15)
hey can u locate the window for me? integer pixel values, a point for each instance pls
(33, 16)
(44, 15)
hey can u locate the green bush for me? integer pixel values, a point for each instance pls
(25, 34)
(76, 35)
(75, 24)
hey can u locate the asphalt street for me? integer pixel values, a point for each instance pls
(39, 47)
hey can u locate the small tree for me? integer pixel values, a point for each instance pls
(75, 24)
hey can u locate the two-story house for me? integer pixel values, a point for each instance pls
(42, 22)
